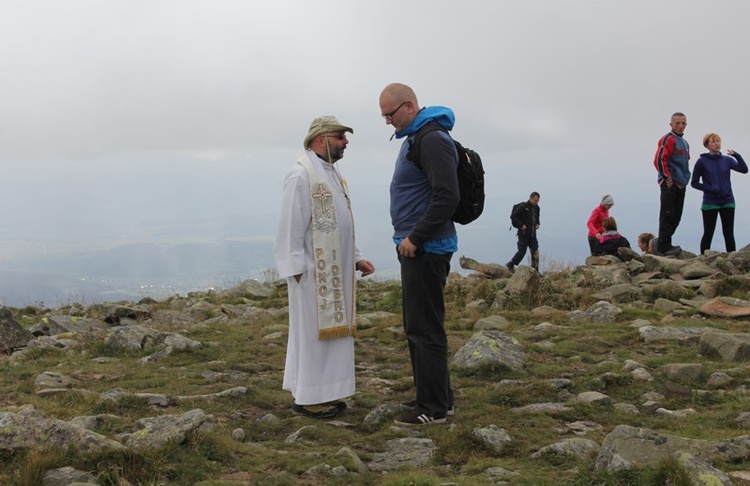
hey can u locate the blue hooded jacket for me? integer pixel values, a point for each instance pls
(423, 200)
(439, 114)
(711, 175)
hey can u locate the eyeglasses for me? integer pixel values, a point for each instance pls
(389, 116)
(340, 136)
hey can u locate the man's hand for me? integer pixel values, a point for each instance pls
(407, 249)
(523, 228)
(365, 266)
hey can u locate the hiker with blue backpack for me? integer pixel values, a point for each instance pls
(525, 217)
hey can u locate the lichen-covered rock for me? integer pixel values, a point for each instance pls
(131, 338)
(491, 323)
(114, 313)
(54, 324)
(492, 437)
(66, 476)
(727, 346)
(697, 269)
(522, 279)
(50, 379)
(618, 293)
(629, 447)
(12, 335)
(601, 311)
(30, 429)
(576, 446)
(248, 288)
(156, 431)
(410, 451)
(687, 335)
(666, 265)
(489, 270)
(701, 472)
(491, 348)
(685, 373)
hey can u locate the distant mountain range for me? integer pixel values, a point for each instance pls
(130, 271)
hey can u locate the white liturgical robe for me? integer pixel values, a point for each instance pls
(316, 371)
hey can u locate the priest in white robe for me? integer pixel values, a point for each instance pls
(315, 251)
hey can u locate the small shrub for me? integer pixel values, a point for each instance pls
(668, 471)
(505, 400)
(616, 380)
(270, 275)
(34, 464)
(482, 290)
(733, 287)
(455, 293)
(38, 354)
(548, 264)
(121, 405)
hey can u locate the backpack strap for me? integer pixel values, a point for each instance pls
(416, 143)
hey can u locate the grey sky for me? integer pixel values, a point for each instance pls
(128, 120)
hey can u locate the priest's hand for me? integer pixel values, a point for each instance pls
(365, 266)
(407, 249)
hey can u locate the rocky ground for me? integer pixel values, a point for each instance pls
(610, 373)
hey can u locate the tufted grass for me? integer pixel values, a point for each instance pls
(588, 354)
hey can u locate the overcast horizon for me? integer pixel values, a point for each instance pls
(173, 122)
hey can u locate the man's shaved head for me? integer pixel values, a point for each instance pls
(398, 93)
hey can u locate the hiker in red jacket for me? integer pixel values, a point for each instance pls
(598, 215)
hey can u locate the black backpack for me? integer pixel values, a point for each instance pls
(516, 222)
(470, 176)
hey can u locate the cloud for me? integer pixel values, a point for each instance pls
(120, 116)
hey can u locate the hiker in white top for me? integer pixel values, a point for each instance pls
(315, 251)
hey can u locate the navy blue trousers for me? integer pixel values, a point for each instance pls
(672, 201)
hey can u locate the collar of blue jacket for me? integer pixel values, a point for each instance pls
(440, 114)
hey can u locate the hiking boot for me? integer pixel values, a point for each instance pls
(673, 251)
(416, 416)
(324, 411)
(511, 267)
(413, 403)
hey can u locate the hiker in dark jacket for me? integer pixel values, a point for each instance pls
(422, 203)
(526, 219)
(610, 240)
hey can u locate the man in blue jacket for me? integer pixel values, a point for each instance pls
(423, 199)
(671, 162)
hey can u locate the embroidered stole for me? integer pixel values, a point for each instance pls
(334, 319)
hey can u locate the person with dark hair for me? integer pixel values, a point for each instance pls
(671, 162)
(598, 215)
(526, 219)
(610, 240)
(711, 175)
